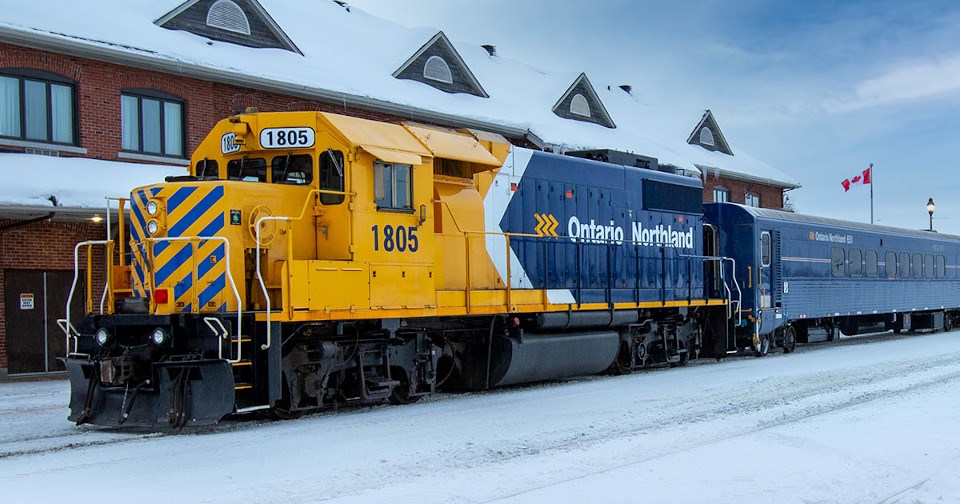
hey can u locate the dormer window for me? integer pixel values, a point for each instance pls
(579, 105)
(706, 137)
(437, 69)
(227, 15)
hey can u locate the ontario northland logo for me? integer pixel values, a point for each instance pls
(591, 232)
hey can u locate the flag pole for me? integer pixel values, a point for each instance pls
(871, 193)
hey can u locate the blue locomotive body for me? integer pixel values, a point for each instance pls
(611, 234)
(803, 274)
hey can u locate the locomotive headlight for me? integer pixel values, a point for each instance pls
(152, 207)
(103, 336)
(152, 227)
(160, 336)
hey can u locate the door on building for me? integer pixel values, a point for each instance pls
(33, 301)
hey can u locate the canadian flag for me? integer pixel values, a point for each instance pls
(862, 178)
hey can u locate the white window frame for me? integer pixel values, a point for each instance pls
(751, 199)
(227, 15)
(706, 137)
(437, 69)
(380, 182)
(580, 106)
(721, 191)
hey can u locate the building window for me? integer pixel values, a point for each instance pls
(706, 137)
(393, 186)
(152, 123)
(751, 199)
(437, 69)
(227, 15)
(38, 106)
(579, 105)
(721, 194)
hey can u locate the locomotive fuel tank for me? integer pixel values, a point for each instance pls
(530, 357)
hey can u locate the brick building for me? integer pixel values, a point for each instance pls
(148, 87)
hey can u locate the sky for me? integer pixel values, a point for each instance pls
(818, 89)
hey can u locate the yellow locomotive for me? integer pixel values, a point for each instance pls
(313, 259)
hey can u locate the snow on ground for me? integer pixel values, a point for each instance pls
(871, 420)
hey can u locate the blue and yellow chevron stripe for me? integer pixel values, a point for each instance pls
(195, 271)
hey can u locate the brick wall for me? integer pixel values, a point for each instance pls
(99, 86)
(770, 197)
(44, 246)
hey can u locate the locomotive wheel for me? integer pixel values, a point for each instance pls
(400, 394)
(789, 339)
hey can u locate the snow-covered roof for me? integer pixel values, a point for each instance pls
(33, 182)
(349, 52)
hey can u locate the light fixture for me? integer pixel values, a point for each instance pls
(96, 218)
(152, 207)
(931, 206)
(103, 336)
(152, 227)
(159, 336)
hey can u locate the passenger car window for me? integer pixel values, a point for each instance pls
(870, 268)
(890, 264)
(836, 261)
(856, 262)
(904, 265)
(928, 266)
(941, 267)
(916, 265)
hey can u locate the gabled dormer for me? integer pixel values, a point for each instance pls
(581, 103)
(242, 22)
(707, 134)
(438, 64)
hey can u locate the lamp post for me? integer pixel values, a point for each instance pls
(930, 208)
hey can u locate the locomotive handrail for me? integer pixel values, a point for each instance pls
(733, 268)
(229, 274)
(76, 275)
(263, 286)
(303, 212)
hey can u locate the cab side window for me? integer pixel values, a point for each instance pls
(331, 176)
(393, 186)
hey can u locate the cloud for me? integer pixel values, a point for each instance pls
(915, 80)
